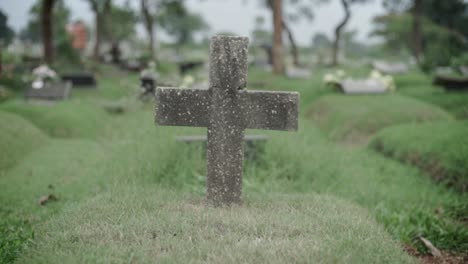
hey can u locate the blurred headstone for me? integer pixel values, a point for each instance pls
(45, 85)
(80, 80)
(298, 73)
(227, 109)
(390, 68)
(148, 80)
(367, 86)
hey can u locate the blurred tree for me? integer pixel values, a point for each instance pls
(47, 22)
(6, 33)
(417, 11)
(119, 24)
(149, 11)
(278, 63)
(438, 33)
(260, 35)
(178, 22)
(294, 11)
(338, 30)
(101, 9)
(47, 32)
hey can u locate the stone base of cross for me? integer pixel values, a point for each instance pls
(226, 109)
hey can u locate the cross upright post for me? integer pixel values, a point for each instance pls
(226, 109)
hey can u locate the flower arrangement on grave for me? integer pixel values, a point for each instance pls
(334, 79)
(387, 80)
(42, 75)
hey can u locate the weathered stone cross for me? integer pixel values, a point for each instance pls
(226, 109)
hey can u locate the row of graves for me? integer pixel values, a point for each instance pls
(47, 85)
(380, 79)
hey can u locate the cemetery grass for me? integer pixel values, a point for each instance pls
(131, 174)
(354, 119)
(439, 148)
(419, 86)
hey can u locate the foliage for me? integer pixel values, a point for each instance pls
(6, 33)
(440, 44)
(61, 14)
(445, 159)
(178, 22)
(122, 22)
(15, 235)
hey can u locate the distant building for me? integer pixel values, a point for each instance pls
(79, 35)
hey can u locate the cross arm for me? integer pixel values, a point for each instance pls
(182, 107)
(270, 110)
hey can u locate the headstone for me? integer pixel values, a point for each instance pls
(390, 68)
(80, 80)
(187, 66)
(226, 109)
(367, 86)
(298, 73)
(53, 91)
(148, 79)
(451, 83)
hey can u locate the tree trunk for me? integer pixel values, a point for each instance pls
(417, 29)
(1, 59)
(97, 36)
(149, 26)
(278, 64)
(338, 31)
(47, 33)
(292, 41)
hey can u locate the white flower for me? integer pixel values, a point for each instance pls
(44, 71)
(340, 74)
(38, 84)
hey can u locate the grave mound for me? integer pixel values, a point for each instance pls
(174, 229)
(445, 159)
(354, 119)
(18, 137)
(64, 119)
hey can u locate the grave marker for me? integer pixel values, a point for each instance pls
(226, 109)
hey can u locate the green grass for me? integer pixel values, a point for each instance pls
(147, 225)
(440, 149)
(419, 86)
(353, 119)
(18, 137)
(136, 195)
(71, 119)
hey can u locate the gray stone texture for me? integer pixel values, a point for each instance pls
(226, 109)
(366, 86)
(51, 91)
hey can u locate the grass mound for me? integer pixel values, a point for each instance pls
(440, 149)
(63, 168)
(139, 225)
(353, 119)
(18, 137)
(63, 120)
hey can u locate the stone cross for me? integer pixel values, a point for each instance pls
(226, 109)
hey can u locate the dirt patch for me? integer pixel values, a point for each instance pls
(447, 257)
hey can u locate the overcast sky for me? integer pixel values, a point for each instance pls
(237, 16)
